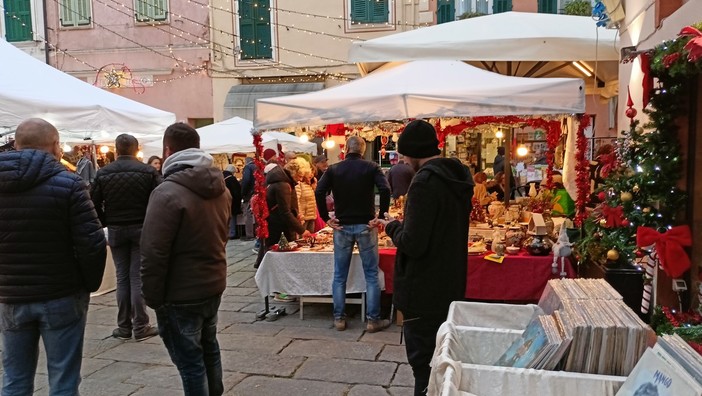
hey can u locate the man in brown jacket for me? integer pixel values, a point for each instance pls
(184, 265)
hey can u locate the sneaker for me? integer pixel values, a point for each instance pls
(146, 334)
(122, 334)
(340, 324)
(255, 250)
(377, 325)
(282, 297)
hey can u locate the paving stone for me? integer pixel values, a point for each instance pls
(257, 363)
(316, 333)
(347, 371)
(157, 377)
(98, 332)
(237, 298)
(240, 342)
(401, 390)
(90, 365)
(238, 278)
(367, 390)
(106, 388)
(333, 349)
(105, 299)
(231, 306)
(227, 318)
(387, 336)
(251, 282)
(256, 328)
(151, 391)
(403, 376)
(258, 386)
(118, 372)
(138, 352)
(102, 315)
(394, 353)
(231, 379)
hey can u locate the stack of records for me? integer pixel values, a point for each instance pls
(670, 368)
(558, 290)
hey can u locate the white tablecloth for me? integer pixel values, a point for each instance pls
(307, 274)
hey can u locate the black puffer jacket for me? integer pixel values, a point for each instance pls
(51, 242)
(121, 191)
(282, 205)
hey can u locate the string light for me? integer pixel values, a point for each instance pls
(104, 149)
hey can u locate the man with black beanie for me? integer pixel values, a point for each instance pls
(432, 244)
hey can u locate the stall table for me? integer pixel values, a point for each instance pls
(519, 277)
(309, 275)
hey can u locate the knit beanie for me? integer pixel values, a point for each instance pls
(268, 154)
(418, 140)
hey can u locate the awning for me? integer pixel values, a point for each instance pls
(241, 98)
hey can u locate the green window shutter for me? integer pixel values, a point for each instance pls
(141, 8)
(548, 6)
(68, 17)
(83, 16)
(501, 6)
(160, 12)
(445, 11)
(18, 20)
(247, 35)
(262, 29)
(360, 11)
(379, 11)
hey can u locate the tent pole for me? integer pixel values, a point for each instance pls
(508, 166)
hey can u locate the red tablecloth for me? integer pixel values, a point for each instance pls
(519, 277)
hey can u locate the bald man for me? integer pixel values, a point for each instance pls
(52, 255)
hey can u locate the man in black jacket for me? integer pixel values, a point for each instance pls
(432, 244)
(352, 182)
(121, 193)
(52, 255)
(234, 188)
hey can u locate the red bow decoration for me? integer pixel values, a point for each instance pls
(694, 46)
(614, 216)
(669, 246)
(609, 162)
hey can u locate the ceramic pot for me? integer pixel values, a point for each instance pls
(514, 236)
(496, 209)
(498, 247)
(538, 245)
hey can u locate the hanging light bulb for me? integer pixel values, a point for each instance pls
(304, 138)
(140, 154)
(329, 144)
(499, 134)
(522, 150)
(67, 148)
(395, 137)
(104, 149)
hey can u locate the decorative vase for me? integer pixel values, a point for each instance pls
(538, 245)
(514, 236)
(532, 190)
(496, 209)
(498, 246)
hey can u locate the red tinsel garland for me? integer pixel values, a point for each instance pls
(582, 170)
(553, 134)
(259, 206)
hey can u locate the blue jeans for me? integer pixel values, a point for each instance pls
(232, 226)
(189, 331)
(344, 240)
(61, 325)
(125, 246)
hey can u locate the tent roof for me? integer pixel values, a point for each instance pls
(233, 135)
(31, 88)
(423, 89)
(507, 36)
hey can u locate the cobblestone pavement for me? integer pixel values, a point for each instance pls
(285, 357)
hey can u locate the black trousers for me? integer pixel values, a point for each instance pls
(420, 341)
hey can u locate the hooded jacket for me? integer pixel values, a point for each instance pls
(51, 242)
(282, 205)
(432, 241)
(185, 232)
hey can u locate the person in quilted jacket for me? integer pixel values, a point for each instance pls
(52, 255)
(120, 193)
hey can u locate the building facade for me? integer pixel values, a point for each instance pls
(22, 24)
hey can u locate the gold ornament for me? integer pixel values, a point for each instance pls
(612, 255)
(603, 223)
(636, 188)
(626, 196)
(646, 210)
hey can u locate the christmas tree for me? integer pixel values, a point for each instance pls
(641, 189)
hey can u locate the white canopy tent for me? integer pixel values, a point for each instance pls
(423, 89)
(234, 136)
(511, 43)
(80, 111)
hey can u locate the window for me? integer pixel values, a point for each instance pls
(548, 6)
(501, 6)
(445, 11)
(369, 11)
(74, 12)
(481, 6)
(150, 10)
(18, 20)
(255, 38)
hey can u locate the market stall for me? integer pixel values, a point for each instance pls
(80, 111)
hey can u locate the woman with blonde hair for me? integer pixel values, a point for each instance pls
(306, 202)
